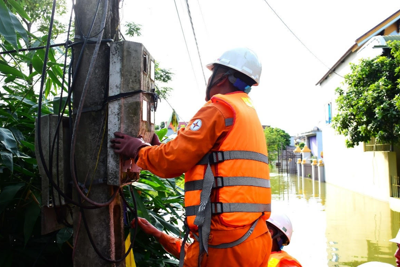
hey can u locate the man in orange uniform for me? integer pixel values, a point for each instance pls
(281, 230)
(223, 154)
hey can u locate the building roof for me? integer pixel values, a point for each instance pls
(386, 39)
(360, 41)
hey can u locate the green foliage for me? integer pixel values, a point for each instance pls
(163, 76)
(133, 29)
(162, 134)
(21, 242)
(369, 105)
(301, 145)
(277, 139)
(160, 201)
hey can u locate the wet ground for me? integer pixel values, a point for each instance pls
(334, 226)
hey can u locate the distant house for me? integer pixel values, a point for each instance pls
(368, 168)
(171, 131)
(313, 140)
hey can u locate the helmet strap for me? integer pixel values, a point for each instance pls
(239, 84)
(278, 239)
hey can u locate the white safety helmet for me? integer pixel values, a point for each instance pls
(396, 239)
(243, 60)
(283, 223)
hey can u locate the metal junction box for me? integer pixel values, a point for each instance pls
(130, 103)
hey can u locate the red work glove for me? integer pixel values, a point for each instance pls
(147, 227)
(155, 141)
(126, 145)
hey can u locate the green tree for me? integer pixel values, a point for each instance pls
(368, 105)
(277, 140)
(163, 76)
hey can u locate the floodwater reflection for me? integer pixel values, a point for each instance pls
(334, 226)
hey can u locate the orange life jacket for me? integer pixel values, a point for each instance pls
(282, 259)
(241, 191)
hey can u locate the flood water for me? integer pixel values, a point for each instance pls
(334, 226)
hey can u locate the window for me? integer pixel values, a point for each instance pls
(373, 145)
(145, 63)
(329, 113)
(152, 70)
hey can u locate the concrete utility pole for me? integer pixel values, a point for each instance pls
(105, 224)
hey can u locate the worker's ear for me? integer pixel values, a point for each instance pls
(271, 231)
(225, 79)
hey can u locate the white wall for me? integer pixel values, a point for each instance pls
(354, 169)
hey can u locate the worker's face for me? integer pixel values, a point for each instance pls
(397, 255)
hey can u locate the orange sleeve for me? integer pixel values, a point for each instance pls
(191, 144)
(171, 244)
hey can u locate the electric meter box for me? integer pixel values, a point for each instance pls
(131, 103)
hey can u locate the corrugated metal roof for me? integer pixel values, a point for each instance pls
(387, 38)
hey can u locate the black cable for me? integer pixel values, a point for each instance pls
(47, 171)
(184, 38)
(59, 118)
(94, 244)
(197, 45)
(299, 38)
(31, 49)
(79, 113)
(68, 99)
(67, 44)
(134, 212)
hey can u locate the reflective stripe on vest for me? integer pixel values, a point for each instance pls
(218, 208)
(229, 181)
(220, 156)
(204, 211)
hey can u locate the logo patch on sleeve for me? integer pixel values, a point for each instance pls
(248, 102)
(196, 125)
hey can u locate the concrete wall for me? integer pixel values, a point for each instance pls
(352, 168)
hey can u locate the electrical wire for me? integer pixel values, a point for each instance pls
(134, 212)
(60, 117)
(197, 45)
(299, 38)
(38, 126)
(75, 128)
(68, 44)
(187, 48)
(79, 113)
(202, 17)
(96, 249)
(170, 105)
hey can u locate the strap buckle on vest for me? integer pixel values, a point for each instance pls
(216, 157)
(217, 208)
(218, 182)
